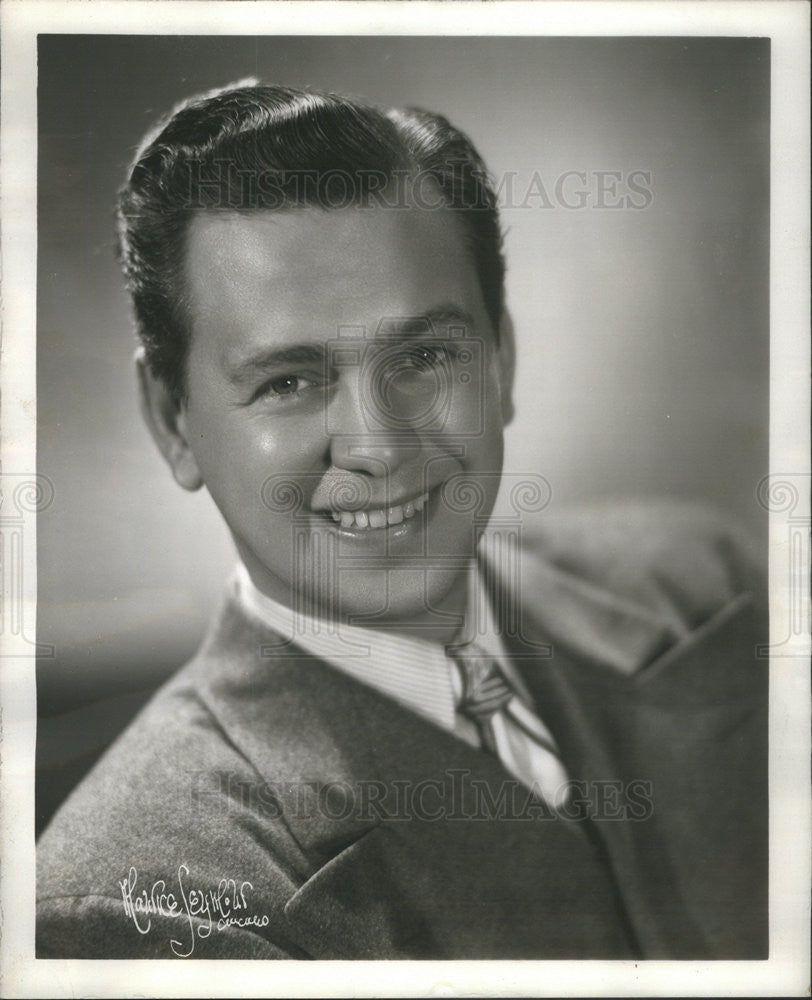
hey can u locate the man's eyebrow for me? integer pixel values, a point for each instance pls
(271, 359)
(428, 322)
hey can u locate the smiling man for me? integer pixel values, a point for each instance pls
(323, 342)
(405, 736)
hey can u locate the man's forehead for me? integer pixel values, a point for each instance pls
(275, 241)
(313, 275)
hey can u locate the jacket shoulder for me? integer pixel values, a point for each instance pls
(682, 562)
(172, 807)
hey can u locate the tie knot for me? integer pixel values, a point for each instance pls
(484, 688)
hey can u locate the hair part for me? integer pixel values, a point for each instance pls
(250, 148)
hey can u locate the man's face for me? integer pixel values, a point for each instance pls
(344, 398)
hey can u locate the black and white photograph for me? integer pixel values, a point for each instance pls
(407, 563)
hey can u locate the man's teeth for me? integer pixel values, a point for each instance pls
(381, 516)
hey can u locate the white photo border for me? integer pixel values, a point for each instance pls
(787, 25)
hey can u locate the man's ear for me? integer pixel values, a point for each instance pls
(507, 365)
(166, 421)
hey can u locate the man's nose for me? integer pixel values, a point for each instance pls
(366, 437)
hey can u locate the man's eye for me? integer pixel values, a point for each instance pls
(286, 385)
(425, 357)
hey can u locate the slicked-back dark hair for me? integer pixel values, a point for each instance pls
(251, 147)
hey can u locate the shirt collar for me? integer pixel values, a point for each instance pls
(414, 672)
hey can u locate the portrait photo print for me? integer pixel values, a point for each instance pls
(403, 436)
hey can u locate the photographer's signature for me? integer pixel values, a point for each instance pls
(202, 910)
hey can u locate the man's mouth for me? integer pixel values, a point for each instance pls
(375, 518)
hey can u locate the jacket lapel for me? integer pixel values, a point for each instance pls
(413, 843)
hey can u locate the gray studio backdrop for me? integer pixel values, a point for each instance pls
(634, 178)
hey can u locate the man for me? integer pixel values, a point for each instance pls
(405, 736)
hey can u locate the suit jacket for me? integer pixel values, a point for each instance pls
(265, 805)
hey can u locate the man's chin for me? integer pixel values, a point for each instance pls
(425, 603)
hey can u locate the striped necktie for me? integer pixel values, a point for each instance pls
(507, 727)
